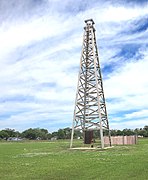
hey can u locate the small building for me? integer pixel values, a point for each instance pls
(54, 138)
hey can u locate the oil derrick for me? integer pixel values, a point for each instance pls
(90, 109)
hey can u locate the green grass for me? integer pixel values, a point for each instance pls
(54, 160)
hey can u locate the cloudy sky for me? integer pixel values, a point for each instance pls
(40, 47)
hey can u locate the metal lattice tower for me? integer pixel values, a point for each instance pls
(90, 108)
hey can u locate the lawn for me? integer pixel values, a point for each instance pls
(54, 160)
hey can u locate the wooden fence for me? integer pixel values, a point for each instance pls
(121, 140)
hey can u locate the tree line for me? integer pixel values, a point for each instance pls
(43, 134)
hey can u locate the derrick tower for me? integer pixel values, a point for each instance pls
(90, 108)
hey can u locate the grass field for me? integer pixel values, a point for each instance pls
(54, 160)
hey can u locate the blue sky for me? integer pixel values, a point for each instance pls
(40, 51)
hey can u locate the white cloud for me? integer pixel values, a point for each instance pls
(130, 79)
(138, 114)
(133, 124)
(128, 86)
(117, 14)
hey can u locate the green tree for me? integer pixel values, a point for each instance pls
(54, 134)
(4, 135)
(45, 131)
(35, 133)
(49, 136)
(11, 132)
(29, 134)
(96, 134)
(128, 132)
(61, 134)
(113, 132)
(67, 132)
(119, 133)
(145, 131)
(77, 134)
